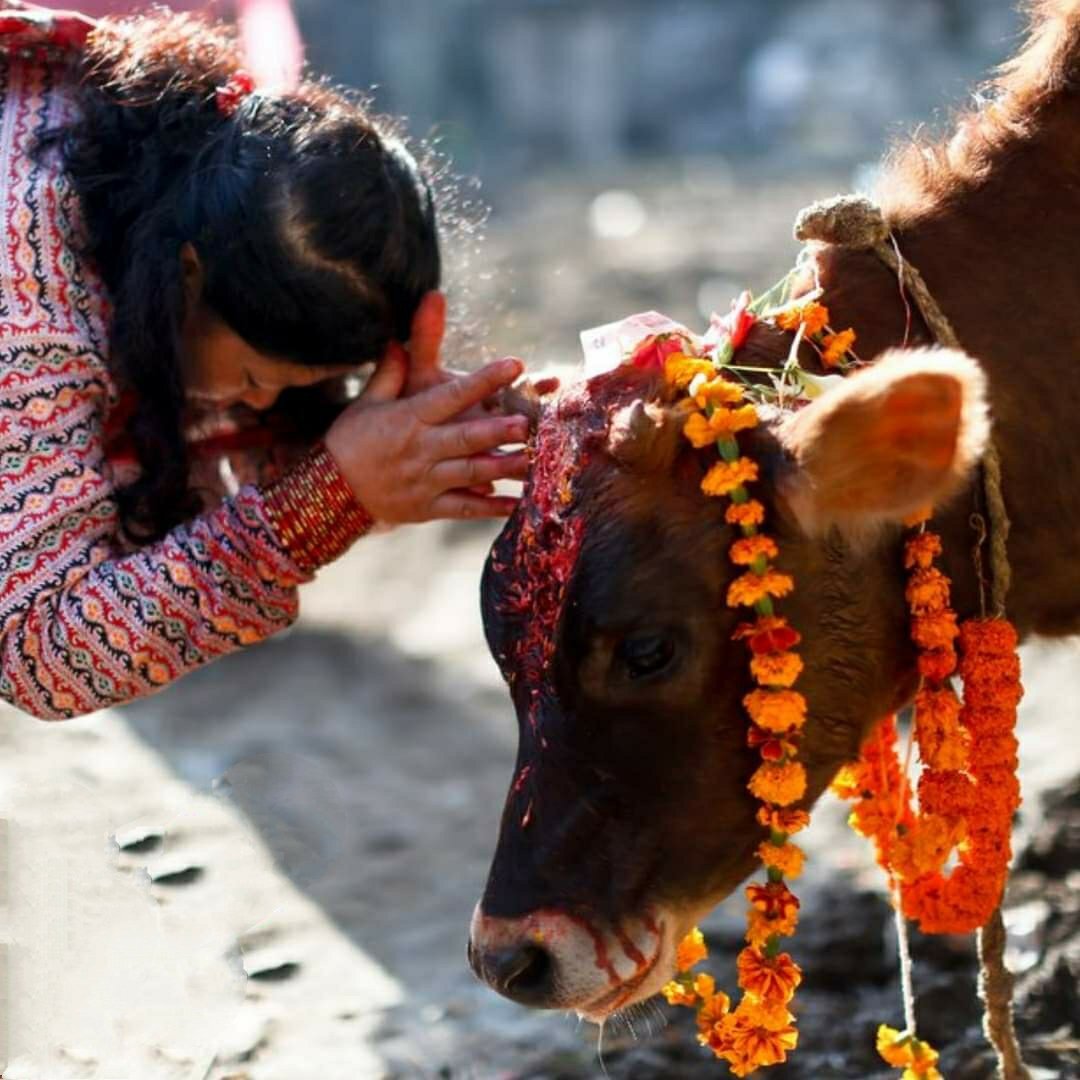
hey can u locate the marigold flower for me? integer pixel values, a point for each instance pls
(769, 633)
(745, 551)
(770, 979)
(814, 317)
(776, 669)
(943, 742)
(760, 927)
(937, 630)
(698, 431)
(750, 512)
(847, 783)
(729, 421)
(988, 636)
(704, 430)
(836, 347)
(680, 369)
(713, 1011)
(927, 591)
(918, 1059)
(875, 817)
(705, 986)
(925, 848)
(783, 819)
(677, 994)
(937, 664)
(747, 589)
(757, 1035)
(720, 392)
(779, 711)
(787, 858)
(771, 747)
(773, 899)
(780, 784)
(725, 476)
(921, 550)
(691, 950)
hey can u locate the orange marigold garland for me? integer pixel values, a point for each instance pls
(967, 792)
(760, 1030)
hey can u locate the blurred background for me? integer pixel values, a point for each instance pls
(267, 871)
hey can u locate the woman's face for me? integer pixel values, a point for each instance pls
(223, 370)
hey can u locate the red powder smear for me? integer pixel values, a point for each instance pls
(551, 528)
(603, 961)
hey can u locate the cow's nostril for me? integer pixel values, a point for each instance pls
(524, 973)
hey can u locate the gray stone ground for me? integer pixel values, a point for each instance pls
(306, 826)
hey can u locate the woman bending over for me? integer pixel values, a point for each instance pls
(191, 266)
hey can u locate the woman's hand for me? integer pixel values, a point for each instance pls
(414, 458)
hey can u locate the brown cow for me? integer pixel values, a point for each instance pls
(628, 816)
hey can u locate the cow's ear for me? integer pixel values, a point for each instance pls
(900, 435)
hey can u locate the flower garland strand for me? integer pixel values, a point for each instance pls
(759, 1031)
(968, 791)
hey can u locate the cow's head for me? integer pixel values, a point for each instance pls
(628, 816)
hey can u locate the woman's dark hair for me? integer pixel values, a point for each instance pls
(313, 224)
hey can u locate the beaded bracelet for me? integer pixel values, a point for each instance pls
(314, 511)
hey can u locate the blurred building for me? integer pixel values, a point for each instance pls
(517, 85)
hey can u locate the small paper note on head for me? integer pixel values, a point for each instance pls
(606, 347)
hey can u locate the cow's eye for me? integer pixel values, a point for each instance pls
(646, 654)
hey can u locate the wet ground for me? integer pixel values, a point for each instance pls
(267, 872)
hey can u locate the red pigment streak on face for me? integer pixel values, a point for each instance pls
(522, 777)
(649, 923)
(632, 951)
(603, 961)
(546, 552)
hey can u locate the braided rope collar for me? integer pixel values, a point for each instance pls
(854, 221)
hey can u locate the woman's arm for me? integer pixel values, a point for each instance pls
(83, 626)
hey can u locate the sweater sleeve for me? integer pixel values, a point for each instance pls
(84, 625)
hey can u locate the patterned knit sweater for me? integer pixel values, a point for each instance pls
(84, 623)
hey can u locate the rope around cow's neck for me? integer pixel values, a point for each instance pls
(853, 221)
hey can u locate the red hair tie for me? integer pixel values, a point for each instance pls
(230, 96)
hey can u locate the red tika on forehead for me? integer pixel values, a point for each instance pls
(551, 530)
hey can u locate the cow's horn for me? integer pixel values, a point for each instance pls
(641, 433)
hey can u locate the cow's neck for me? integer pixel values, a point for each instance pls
(1001, 262)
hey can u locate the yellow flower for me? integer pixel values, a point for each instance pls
(778, 711)
(918, 1059)
(720, 391)
(698, 431)
(779, 784)
(725, 476)
(691, 950)
(776, 669)
(787, 858)
(680, 370)
(836, 347)
(704, 430)
(705, 986)
(677, 994)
